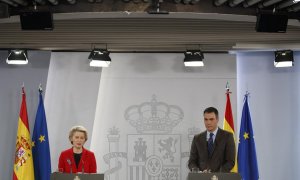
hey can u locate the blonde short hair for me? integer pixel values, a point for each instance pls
(78, 129)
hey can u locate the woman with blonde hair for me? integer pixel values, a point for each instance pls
(77, 159)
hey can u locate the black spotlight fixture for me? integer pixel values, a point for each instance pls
(156, 8)
(99, 58)
(284, 58)
(193, 58)
(37, 20)
(271, 23)
(18, 57)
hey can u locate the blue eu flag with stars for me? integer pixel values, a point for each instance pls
(40, 142)
(247, 162)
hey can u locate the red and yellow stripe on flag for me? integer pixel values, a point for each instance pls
(228, 124)
(23, 164)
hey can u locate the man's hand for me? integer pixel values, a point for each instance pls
(206, 171)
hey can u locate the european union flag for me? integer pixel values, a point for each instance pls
(247, 162)
(40, 140)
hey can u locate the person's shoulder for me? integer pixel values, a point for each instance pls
(197, 136)
(67, 151)
(224, 132)
(88, 151)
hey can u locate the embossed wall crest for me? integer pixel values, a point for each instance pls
(154, 153)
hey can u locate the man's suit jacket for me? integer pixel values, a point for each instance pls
(223, 157)
(87, 162)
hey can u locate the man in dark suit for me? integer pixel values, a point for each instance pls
(214, 149)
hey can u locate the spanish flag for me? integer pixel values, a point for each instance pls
(23, 165)
(228, 124)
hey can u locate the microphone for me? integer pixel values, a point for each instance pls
(70, 164)
(82, 167)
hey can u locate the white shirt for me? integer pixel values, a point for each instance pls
(214, 136)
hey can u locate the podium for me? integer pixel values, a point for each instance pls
(214, 176)
(68, 176)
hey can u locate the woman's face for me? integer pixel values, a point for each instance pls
(78, 139)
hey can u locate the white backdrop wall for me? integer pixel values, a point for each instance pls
(72, 89)
(148, 109)
(274, 105)
(11, 79)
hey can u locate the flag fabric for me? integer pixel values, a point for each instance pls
(228, 123)
(23, 164)
(40, 144)
(247, 162)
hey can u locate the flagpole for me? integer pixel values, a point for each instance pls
(23, 164)
(228, 123)
(247, 95)
(41, 150)
(247, 160)
(227, 86)
(40, 88)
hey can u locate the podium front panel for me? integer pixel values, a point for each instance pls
(68, 176)
(214, 176)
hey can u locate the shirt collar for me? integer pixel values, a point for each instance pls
(214, 132)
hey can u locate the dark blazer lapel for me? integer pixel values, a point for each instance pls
(203, 144)
(71, 157)
(82, 159)
(204, 141)
(217, 141)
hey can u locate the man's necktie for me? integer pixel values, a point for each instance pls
(210, 145)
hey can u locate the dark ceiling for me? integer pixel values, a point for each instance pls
(212, 25)
(242, 7)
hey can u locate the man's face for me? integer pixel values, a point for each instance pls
(210, 121)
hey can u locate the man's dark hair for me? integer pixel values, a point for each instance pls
(212, 110)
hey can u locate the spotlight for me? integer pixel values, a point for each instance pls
(156, 8)
(99, 58)
(284, 58)
(193, 58)
(17, 57)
